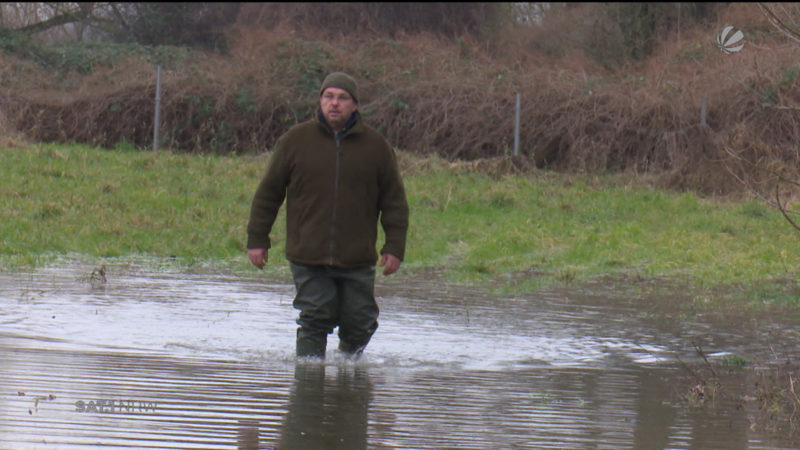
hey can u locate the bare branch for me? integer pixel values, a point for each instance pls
(779, 24)
(700, 352)
(64, 17)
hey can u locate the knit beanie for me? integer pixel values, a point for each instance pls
(341, 80)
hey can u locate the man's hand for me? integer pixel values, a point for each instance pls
(391, 263)
(258, 256)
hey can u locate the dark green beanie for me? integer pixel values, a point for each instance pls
(341, 80)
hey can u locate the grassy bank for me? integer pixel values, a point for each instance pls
(519, 232)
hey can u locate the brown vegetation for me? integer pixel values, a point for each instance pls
(766, 388)
(452, 94)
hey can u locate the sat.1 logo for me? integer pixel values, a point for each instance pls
(728, 43)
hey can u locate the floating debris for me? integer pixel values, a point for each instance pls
(98, 275)
(96, 278)
(38, 399)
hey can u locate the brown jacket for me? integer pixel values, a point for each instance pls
(336, 190)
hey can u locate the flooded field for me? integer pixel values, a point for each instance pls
(172, 360)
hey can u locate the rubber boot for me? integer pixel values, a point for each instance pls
(351, 351)
(311, 344)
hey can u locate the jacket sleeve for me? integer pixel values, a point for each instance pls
(393, 208)
(268, 199)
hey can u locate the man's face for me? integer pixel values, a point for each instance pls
(337, 106)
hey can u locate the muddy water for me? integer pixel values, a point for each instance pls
(172, 360)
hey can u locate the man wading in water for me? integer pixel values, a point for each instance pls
(339, 178)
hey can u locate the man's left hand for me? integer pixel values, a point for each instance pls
(390, 263)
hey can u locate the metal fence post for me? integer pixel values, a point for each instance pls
(516, 125)
(157, 119)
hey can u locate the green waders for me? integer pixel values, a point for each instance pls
(328, 297)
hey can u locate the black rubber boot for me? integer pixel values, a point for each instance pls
(311, 344)
(351, 351)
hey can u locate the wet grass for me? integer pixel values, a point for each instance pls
(520, 232)
(542, 228)
(59, 200)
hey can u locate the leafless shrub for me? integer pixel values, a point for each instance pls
(453, 98)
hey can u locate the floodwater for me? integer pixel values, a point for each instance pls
(174, 360)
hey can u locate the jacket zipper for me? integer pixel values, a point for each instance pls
(332, 244)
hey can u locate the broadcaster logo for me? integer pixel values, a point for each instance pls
(728, 44)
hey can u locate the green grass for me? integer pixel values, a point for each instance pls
(71, 199)
(519, 232)
(535, 230)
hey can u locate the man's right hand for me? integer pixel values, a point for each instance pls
(258, 256)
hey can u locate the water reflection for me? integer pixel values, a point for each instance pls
(247, 437)
(448, 369)
(660, 414)
(327, 412)
(656, 414)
